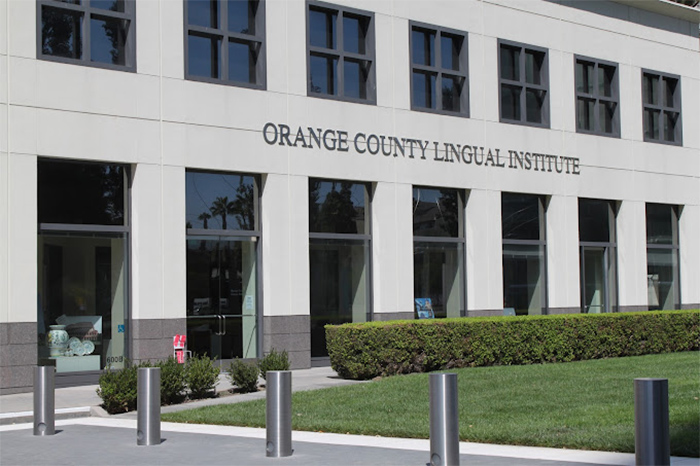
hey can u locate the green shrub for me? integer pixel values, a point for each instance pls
(172, 381)
(117, 388)
(244, 375)
(273, 361)
(202, 376)
(363, 351)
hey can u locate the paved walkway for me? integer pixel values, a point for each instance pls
(111, 440)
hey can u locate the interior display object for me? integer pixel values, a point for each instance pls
(57, 339)
(88, 346)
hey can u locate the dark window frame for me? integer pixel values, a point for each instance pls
(597, 98)
(540, 242)
(523, 85)
(68, 379)
(254, 235)
(662, 108)
(438, 71)
(369, 57)
(88, 12)
(610, 246)
(225, 36)
(674, 246)
(460, 239)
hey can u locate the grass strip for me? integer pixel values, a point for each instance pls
(583, 405)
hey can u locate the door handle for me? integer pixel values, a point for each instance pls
(223, 326)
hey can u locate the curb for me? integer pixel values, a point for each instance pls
(62, 413)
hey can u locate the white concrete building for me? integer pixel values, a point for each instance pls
(244, 172)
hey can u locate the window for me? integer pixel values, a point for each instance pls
(225, 42)
(598, 260)
(597, 97)
(524, 253)
(662, 107)
(222, 257)
(82, 253)
(88, 32)
(341, 53)
(524, 84)
(662, 257)
(439, 70)
(339, 250)
(438, 252)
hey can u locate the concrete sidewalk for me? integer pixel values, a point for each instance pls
(86, 435)
(112, 441)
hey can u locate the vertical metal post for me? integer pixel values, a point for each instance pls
(652, 446)
(278, 415)
(44, 401)
(444, 420)
(148, 406)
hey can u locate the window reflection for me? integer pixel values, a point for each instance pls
(81, 193)
(61, 33)
(524, 248)
(337, 207)
(663, 272)
(221, 201)
(339, 286)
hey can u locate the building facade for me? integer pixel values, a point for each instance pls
(245, 172)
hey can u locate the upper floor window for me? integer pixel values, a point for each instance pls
(225, 42)
(341, 53)
(597, 97)
(661, 98)
(88, 32)
(524, 84)
(439, 70)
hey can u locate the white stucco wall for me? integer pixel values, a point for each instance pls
(161, 125)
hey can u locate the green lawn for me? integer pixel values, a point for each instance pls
(581, 405)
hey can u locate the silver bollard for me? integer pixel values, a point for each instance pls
(652, 445)
(44, 401)
(278, 414)
(444, 420)
(148, 406)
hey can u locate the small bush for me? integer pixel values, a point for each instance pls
(202, 376)
(273, 361)
(117, 388)
(172, 381)
(364, 351)
(244, 375)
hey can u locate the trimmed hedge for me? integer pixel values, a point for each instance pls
(367, 350)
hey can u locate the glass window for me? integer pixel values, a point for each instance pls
(82, 265)
(437, 212)
(438, 252)
(524, 84)
(225, 42)
(81, 193)
(439, 70)
(104, 27)
(663, 272)
(337, 207)
(662, 107)
(221, 201)
(597, 97)
(222, 257)
(340, 53)
(596, 221)
(339, 256)
(524, 254)
(598, 256)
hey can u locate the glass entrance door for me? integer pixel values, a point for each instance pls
(594, 272)
(221, 297)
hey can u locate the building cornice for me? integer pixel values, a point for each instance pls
(666, 8)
